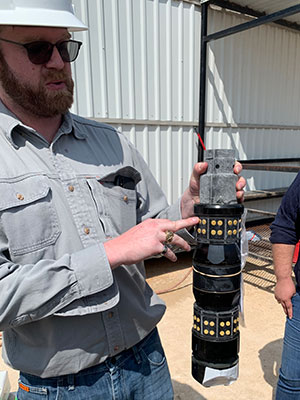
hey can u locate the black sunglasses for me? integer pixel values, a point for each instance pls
(40, 52)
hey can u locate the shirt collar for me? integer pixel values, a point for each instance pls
(9, 122)
(68, 127)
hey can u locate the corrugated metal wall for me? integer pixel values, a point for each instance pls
(139, 71)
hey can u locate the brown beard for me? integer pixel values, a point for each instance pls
(38, 101)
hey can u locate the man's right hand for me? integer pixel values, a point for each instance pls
(145, 240)
(284, 291)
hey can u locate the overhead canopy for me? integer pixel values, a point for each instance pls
(259, 8)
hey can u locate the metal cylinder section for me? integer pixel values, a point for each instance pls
(216, 288)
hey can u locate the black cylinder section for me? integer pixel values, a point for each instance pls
(217, 273)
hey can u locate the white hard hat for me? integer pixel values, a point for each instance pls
(51, 13)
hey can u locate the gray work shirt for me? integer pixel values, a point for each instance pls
(62, 308)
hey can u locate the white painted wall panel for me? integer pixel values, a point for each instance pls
(141, 58)
(253, 76)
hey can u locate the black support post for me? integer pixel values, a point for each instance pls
(202, 95)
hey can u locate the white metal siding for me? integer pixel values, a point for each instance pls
(253, 76)
(140, 60)
(139, 70)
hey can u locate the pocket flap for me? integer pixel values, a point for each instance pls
(128, 172)
(24, 191)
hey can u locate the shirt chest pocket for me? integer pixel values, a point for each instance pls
(116, 205)
(27, 214)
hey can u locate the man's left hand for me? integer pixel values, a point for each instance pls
(191, 196)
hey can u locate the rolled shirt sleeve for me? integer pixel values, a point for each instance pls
(79, 284)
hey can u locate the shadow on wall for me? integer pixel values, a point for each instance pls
(184, 392)
(270, 359)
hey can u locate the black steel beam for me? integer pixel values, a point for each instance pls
(272, 164)
(253, 13)
(202, 94)
(252, 24)
(254, 195)
(257, 211)
(270, 160)
(266, 167)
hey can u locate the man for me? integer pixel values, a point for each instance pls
(80, 210)
(284, 237)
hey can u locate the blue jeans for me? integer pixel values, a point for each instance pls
(140, 373)
(288, 386)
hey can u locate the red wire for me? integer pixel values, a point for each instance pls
(201, 141)
(177, 284)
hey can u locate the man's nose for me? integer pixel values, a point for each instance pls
(55, 61)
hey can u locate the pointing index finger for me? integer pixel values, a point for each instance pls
(183, 223)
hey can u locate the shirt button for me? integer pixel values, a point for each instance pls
(86, 231)
(20, 196)
(116, 348)
(125, 198)
(71, 188)
(110, 314)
